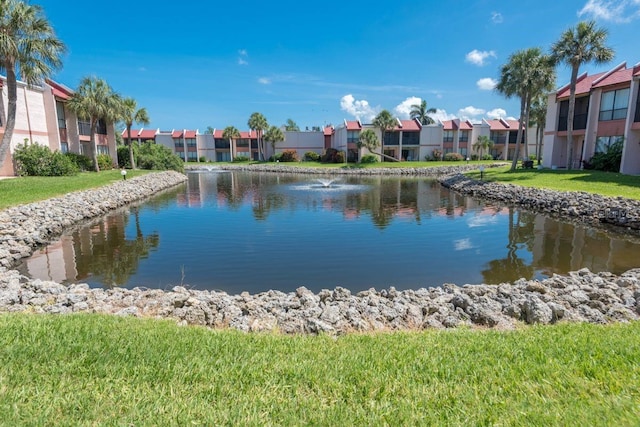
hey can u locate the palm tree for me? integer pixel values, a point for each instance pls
(95, 100)
(231, 133)
(420, 111)
(539, 119)
(580, 45)
(369, 140)
(526, 75)
(258, 123)
(274, 135)
(291, 126)
(132, 114)
(386, 122)
(209, 131)
(483, 143)
(29, 50)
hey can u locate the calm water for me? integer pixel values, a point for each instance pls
(254, 232)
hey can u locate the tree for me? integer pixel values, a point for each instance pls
(274, 135)
(420, 112)
(291, 126)
(231, 133)
(209, 131)
(131, 114)
(95, 100)
(386, 122)
(580, 45)
(483, 143)
(29, 50)
(258, 123)
(539, 119)
(527, 74)
(369, 140)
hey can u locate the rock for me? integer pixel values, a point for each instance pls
(536, 311)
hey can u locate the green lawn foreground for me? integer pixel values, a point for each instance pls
(28, 189)
(590, 181)
(104, 370)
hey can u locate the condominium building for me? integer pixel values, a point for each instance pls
(607, 110)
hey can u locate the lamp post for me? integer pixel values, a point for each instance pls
(123, 172)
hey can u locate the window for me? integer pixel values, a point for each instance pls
(447, 136)
(224, 157)
(613, 105)
(391, 138)
(103, 149)
(243, 143)
(62, 122)
(497, 137)
(84, 127)
(447, 150)
(192, 155)
(64, 147)
(464, 136)
(101, 128)
(353, 136)
(221, 143)
(181, 154)
(604, 142)
(410, 138)
(191, 142)
(463, 152)
(177, 142)
(579, 115)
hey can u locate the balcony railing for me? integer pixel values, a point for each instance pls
(84, 128)
(579, 122)
(499, 139)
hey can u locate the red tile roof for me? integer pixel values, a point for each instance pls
(243, 134)
(184, 133)
(190, 133)
(582, 86)
(620, 76)
(328, 130)
(218, 133)
(409, 125)
(502, 124)
(59, 90)
(466, 125)
(353, 124)
(448, 125)
(141, 133)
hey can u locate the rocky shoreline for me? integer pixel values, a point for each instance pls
(579, 296)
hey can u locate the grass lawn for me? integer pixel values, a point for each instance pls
(604, 183)
(102, 370)
(30, 189)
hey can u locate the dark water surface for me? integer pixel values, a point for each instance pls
(254, 232)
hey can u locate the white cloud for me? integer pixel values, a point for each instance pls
(243, 58)
(496, 17)
(242, 52)
(486, 83)
(264, 80)
(497, 113)
(462, 244)
(620, 11)
(360, 109)
(481, 221)
(477, 57)
(242, 62)
(403, 110)
(470, 113)
(441, 115)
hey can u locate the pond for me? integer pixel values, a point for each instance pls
(241, 231)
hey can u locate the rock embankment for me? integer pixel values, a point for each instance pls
(586, 208)
(580, 296)
(25, 227)
(278, 168)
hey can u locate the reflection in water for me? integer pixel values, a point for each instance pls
(256, 231)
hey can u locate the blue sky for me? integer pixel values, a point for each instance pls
(208, 63)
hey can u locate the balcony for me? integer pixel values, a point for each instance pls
(499, 139)
(84, 128)
(579, 122)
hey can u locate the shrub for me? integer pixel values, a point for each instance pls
(436, 155)
(474, 157)
(105, 162)
(339, 158)
(83, 163)
(158, 157)
(453, 157)
(487, 157)
(608, 161)
(202, 159)
(331, 155)
(39, 160)
(239, 159)
(369, 158)
(311, 156)
(287, 156)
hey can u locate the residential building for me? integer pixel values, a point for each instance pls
(42, 117)
(607, 110)
(140, 135)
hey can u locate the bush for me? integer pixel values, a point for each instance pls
(487, 157)
(105, 162)
(311, 156)
(39, 160)
(287, 156)
(158, 157)
(608, 161)
(239, 159)
(453, 157)
(83, 163)
(331, 155)
(436, 155)
(474, 157)
(123, 155)
(369, 158)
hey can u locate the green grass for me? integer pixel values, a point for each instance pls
(30, 189)
(100, 370)
(604, 183)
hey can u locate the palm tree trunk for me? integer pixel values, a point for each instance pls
(571, 112)
(514, 163)
(93, 144)
(12, 95)
(132, 162)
